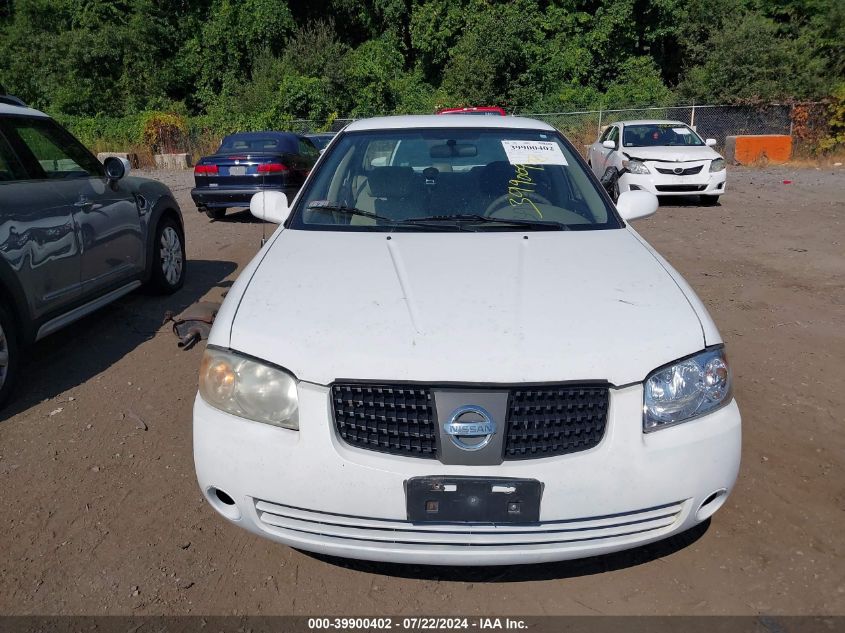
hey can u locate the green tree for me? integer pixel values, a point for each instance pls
(753, 61)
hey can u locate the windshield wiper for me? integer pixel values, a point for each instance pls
(477, 217)
(347, 210)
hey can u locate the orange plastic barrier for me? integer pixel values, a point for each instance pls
(745, 149)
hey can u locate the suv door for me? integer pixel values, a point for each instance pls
(38, 241)
(105, 213)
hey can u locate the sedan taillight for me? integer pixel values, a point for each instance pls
(206, 169)
(272, 168)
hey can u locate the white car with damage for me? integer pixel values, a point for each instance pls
(666, 158)
(456, 350)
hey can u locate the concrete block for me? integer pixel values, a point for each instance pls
(173, 161)
(750, 148)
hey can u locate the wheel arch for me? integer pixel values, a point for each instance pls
(166, 207)
(13, 296)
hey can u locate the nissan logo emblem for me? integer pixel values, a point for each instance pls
(464, 423)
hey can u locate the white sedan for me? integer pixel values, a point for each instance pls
(666, 158)
(455, 350)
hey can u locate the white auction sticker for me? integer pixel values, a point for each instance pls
(534, 153)
(680, 130)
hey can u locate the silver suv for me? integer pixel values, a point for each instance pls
(75, 234)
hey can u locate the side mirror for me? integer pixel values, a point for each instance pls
(116, 168)
(633, 205)
(710, 142)
(609, 144)
(270, 206)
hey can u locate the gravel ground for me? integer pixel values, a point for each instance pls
(101, 513)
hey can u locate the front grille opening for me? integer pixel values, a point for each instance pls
(395, 419)
(542, 421)
(548, 421)
(680, 188)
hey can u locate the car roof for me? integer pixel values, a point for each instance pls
(651, 122)
(451, 121)
(6, 108)
(254, 136)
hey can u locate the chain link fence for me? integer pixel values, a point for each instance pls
(805, 121)
(710, 121)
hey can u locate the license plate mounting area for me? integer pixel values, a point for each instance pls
(444, 499)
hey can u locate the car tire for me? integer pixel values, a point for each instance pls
(8, 355)
(709, 201)
(215, 213)
(169, 261)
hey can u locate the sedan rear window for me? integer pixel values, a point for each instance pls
(258, 144)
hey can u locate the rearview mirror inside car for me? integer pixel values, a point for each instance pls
(270, 206)
(633, 205)
(454, 150)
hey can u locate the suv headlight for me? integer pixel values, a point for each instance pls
(635, 166)
(249, 388)
(717, 164)
(686, 389)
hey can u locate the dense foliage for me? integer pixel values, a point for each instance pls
(256, 63)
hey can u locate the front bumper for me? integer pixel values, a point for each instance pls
(704, 183)
(227, 197)
(309, 490)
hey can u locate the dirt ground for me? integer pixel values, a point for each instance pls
(100, 510)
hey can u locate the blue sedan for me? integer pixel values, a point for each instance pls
(249, 162)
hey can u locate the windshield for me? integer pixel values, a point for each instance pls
(660, 134)
(380, 180)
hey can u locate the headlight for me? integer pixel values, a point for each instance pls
(686, 389)
(249, 388)
(717, 164)
(635, 166)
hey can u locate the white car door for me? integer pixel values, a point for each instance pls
(607, 157)
(597, 152)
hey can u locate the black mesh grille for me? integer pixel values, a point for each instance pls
(541, 421)
(668, 188)
(546, 421)
(387, 418)
(689, 171)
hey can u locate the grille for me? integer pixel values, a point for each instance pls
(689, 171)
(668, 188)
(388, 418)
(541, 421)
(548, 421)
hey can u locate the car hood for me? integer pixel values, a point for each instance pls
(667, 154)
(464, 307)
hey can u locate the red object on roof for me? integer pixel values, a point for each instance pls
(483, 110)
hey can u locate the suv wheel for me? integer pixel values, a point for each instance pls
(8, 355)
(168, 257)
